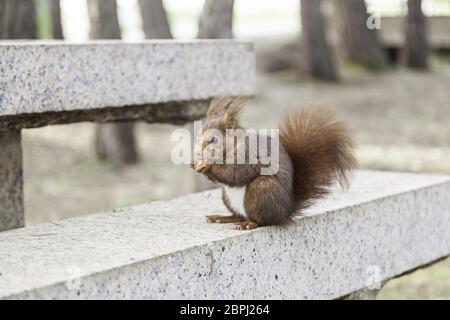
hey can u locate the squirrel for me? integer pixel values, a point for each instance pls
(315, 150)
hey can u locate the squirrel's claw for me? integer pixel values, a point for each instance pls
(246, 225)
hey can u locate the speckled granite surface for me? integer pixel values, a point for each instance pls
(42, 77)
(386, 224)
(11, 181)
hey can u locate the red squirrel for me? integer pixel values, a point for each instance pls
(314, 151)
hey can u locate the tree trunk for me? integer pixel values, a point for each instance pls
(55, 12)
(104, 23)
(154, 20)
(358, 39)
(18, 19)
(216, 21)
(114, 141)
(319, 56)
(416, 48)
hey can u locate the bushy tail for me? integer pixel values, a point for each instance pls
(321, 149)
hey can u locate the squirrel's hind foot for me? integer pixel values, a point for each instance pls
(246, 225)
(223, 219)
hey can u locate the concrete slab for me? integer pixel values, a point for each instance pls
(386, 224)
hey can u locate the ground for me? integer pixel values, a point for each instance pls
(401, 120)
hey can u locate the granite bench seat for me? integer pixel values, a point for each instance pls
(164, 81)
(385, 225)
(44, 79)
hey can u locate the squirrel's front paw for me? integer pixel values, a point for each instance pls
(202, 167)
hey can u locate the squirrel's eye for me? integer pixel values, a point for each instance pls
(213, 140)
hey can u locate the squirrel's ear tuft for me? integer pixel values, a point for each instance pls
(227, 107)
(230, 118)
(218, 106)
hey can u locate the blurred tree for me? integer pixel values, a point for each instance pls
(319, 55)
(55, 11)
(216, 21)
(103, 19)
(416, 47)
(18, 19)
(115, 142)
(154, 19)
(358, 37)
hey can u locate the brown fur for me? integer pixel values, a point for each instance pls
(223, 219)
(321, 150)
(315, 151)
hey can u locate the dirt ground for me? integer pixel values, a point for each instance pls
(401, 120)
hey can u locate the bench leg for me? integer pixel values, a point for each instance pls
(11, 181)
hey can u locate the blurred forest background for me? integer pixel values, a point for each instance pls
(383, 64)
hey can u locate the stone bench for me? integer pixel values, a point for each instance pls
(392, 32)
(385, 225)
(153, 81)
